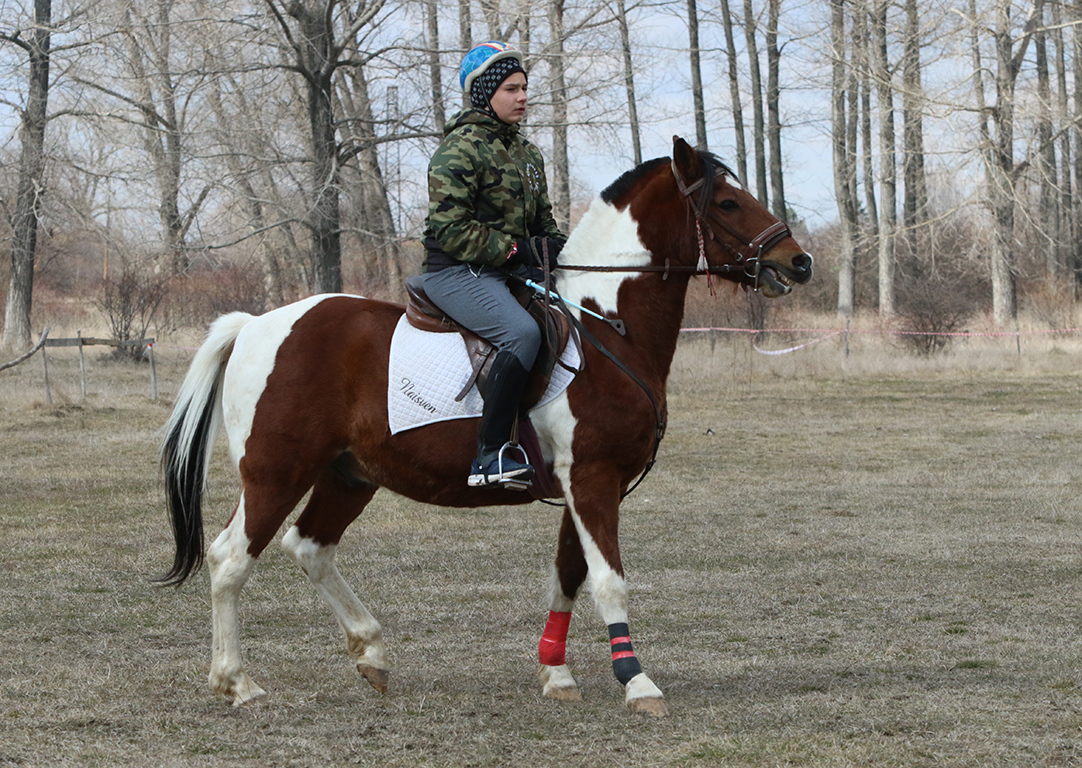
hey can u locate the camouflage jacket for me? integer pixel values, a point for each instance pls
(486, 187)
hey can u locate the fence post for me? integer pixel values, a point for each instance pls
(48, 392)
(82, 363)
(153, 373)
(847, 338)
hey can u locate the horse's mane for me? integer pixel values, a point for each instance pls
(630, 178)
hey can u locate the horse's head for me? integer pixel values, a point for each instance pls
(737, 237)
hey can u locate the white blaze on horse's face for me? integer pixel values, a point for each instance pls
(605, 235)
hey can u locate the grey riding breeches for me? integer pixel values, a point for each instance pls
(478, 298)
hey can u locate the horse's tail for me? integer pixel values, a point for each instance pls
(189, 442)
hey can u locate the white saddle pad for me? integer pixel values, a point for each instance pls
(428, 370)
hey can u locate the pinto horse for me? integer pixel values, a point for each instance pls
(302, 394)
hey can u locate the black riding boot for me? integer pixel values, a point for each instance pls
(506, 383)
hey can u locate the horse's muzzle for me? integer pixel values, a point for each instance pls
(801, 271)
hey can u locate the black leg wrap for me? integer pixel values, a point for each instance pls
(624, 664)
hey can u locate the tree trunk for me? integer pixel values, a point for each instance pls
(915, 201)
(841, 161)
(629, 81)
(373, 200)
(1067, 236)
(465, 38)
(759, 132)
(31, 183)
(149, 41)
(561, 171)
(696, 76)
(314, 51)
(888, 209)
(1076, 134)
(435, 75)
(773, 112)
(864, 86)
(1048, 201)
(734, 93)
(999, 154)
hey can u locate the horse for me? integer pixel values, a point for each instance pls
(301, 392)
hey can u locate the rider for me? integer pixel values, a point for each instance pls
(488, 210)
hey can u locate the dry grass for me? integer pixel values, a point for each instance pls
(863, 560)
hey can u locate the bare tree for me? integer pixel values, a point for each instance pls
(35, 42)
(759, 129)
(158, 99)
(734, 91)
(843, 192)
(696, 75)
(561, 170)
(915, 202)
(318, 37)
(1048, 203)
(629, 81)
(1067, 237)
(888, 209)
(996, 125)
(773, 110)
(863, 76)
(435, 74)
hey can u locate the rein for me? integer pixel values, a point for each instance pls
(660, 414)
(749, 256)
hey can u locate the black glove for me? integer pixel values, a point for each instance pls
(547, 245)
(532, 251)
(526, 272)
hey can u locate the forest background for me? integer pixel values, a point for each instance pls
(162, 161)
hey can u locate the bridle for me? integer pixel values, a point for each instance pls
(749, 256)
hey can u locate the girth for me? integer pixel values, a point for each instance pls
(422, 314)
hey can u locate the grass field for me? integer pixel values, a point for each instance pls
(840, 560)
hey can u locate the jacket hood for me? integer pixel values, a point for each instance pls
(477, 117)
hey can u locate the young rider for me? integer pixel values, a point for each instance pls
(487, 199)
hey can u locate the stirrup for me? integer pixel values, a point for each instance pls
(509, 473)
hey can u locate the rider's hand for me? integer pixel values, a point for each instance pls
(526, 272)
(549, 247)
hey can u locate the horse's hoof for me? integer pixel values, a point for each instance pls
(558, 683)
(653, 707)
(246, 691)
(564, 694)
(375, 676)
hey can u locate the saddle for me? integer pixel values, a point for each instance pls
(422, 314)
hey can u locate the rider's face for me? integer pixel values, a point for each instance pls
(509, 101)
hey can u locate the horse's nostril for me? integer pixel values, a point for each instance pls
(802, 264)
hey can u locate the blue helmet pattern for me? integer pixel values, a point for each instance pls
(482, 56)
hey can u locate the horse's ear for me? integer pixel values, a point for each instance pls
(686, 159)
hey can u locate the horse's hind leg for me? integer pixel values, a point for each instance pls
(312, 543)
(567, 577)
(231, 558)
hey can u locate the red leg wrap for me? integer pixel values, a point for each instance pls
(553, 646)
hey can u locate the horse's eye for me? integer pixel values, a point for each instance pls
(728, 205)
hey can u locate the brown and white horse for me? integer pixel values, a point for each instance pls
(302, 394)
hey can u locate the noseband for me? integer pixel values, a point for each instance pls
(750, 256)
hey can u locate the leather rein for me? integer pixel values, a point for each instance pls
(749, 256)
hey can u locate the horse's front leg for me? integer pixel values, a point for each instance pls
(567, 578)
(594, 508)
